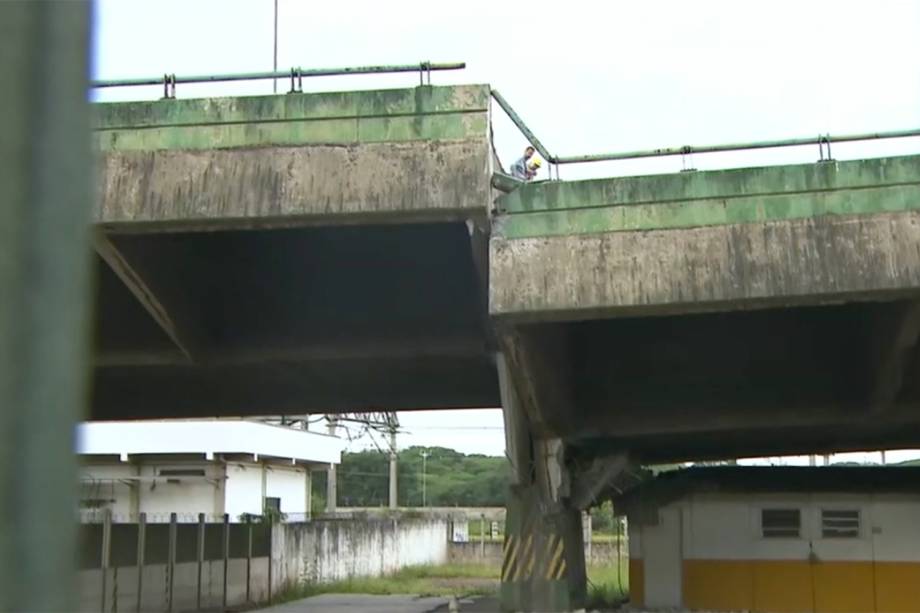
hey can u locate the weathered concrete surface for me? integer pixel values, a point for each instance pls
(391, 115)
(692, 199)
(331, 550)
(420, 153)
(802, 261)
(598, 553)
(281, 186)
(718, 314)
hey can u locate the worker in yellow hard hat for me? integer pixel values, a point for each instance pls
(521, 168)
(533, 167)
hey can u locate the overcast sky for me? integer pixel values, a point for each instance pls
(587, 77)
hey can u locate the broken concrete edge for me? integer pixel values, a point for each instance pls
(505, 183)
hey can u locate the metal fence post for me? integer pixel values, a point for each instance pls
(106, 553)
(141, 555)
(226, 554)
(201, 529)
(482, 536)
(171, 562)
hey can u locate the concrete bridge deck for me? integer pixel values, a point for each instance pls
(339, 252)
(736, 312)
(345, 251)
(294, 253)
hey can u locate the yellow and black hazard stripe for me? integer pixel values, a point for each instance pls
(555, 558)
(527, 558)
(509, 556)
(519, 555)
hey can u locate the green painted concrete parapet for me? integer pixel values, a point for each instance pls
(722, 197)
(422, 113)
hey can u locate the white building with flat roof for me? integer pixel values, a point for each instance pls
(190, 467)
(776, 539)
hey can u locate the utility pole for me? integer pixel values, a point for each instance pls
(331, 492)
(425, 454)
(393, 474)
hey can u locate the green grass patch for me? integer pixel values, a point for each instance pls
(450, 571)
(444, 580)
(607, 587)
(604, 537)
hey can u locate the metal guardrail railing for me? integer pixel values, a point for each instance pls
(424, 69)
(823, 141)
(296, 75)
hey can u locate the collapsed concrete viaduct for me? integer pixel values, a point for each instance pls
(347, 251)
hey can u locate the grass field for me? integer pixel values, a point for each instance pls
(607, 586)
(604, 583)
(444, 580)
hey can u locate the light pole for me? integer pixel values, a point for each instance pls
(424, 455)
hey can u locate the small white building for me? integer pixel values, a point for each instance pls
(776, 539)
(198, 466)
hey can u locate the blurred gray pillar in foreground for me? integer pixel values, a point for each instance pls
(45, 197)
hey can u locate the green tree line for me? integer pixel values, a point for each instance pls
(451, 479)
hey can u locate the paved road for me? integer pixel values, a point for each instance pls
(360, 603)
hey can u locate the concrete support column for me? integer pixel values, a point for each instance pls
(543, 557)
(543, 563)
(331, 484)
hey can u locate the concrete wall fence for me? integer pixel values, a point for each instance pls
(324, 551)
(600, 553)
(187, 567)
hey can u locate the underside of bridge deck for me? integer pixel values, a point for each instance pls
(313, 319)
(729, 384)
